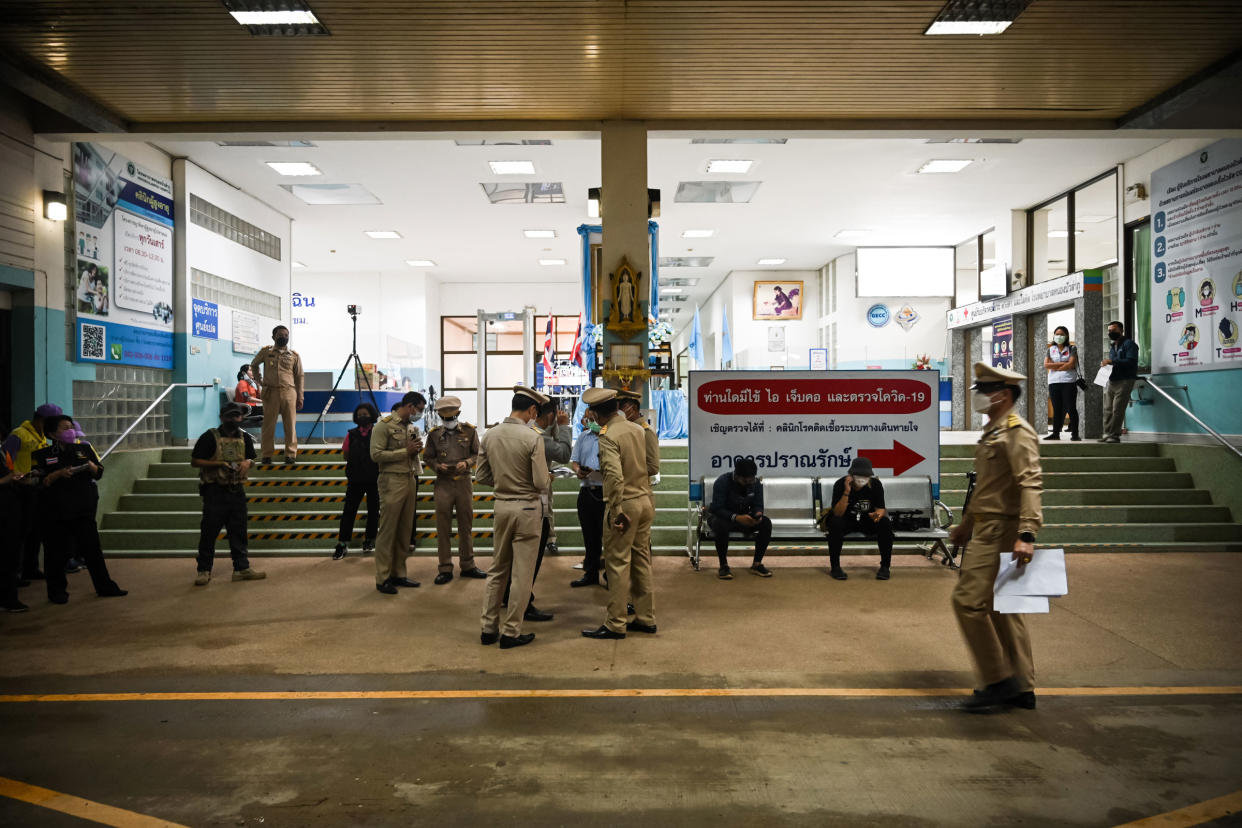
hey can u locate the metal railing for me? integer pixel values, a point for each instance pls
(1164, 393)
(151, 408)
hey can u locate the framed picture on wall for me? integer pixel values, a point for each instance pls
(777, 300)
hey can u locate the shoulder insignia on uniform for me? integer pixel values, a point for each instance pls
(467, 425)
(603, 430)
(386, 418)
(646, 425)
(434, 429)
(538, 430)
(1014, 420)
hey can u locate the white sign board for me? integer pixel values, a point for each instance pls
(1196, 261)
(814, 423)
(245, 333)
(1036, 297)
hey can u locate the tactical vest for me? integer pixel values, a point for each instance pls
(230, 450)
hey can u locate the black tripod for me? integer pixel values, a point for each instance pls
(353, 360)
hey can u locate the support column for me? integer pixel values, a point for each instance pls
(1090, 336)
(623, 214)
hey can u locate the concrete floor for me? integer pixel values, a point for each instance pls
(1139, 622)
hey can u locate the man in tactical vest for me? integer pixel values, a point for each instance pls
(223, 457)
(451, 451)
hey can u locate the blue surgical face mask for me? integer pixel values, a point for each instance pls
(593, 427)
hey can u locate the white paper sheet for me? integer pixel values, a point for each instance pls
(1101, 376)
(1020, 603)
(1044, 575)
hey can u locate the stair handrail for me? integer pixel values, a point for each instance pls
(1219, 438)
(151, 408)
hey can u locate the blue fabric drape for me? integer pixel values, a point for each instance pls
(674, 413)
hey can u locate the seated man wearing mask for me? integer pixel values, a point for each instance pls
(737, 506)
(858, 506)
(223, 457)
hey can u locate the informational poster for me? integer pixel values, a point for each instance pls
(124, 224)
(815, 423)
(245, 333)
(1002, 342)
(205, 319)
(819, 359)
(1196, 254)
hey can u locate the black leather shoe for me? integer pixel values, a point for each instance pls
(585, 580)
(339, 552)
(533, 613)
(602, 632)
(114, 592)
(402, 582)
(443, 578)
(59, 598)
(882, 574)
(387, 588)
(73, 565)
(473, 572)
(838, 574)
(638, 626)
(488, 638)
(997, 694)
(1024, 700)
(508, 642)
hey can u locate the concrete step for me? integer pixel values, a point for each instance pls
(1146, 533)
(1136, 465)
(270, 502)
(1066, 448)
(323, 453)
(1206, 514)
(312, 468)
(1093, 480)
(290, 520)
(328, 485)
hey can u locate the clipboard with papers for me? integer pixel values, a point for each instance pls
(1026, 589)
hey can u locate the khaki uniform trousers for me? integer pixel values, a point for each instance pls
(282, 403)
(998, 642)
(399, 494)
(627, 559)
(518, 526)
(453, 495)
(1116, 400)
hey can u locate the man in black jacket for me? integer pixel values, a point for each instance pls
(857, 505)
(737, 506)
(1123, 356)
(362, 479)
(68, 471)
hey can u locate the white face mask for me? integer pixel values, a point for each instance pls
(1059, 339)
(861, 481)
(980, 402)
(450, 423)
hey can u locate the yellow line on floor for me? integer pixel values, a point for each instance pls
(81, 808)
(602, 693)
(1196, 814)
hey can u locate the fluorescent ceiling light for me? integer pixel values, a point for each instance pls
(967, 27)
(670, 290)
(539, 234)
(1063, 234)
(532, 192)
(740, 165)
(274, 18)
(551, 262)
(850, 234)
(294, 167)
(698, 234)
(770, 262)
(383, 234)
(512, 167)
(298, 265)
(738, 140)
(420, 262)
(946, 165)
(716, 192)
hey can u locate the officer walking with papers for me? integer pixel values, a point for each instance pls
(1003, 517)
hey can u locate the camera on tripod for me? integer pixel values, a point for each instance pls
(354, 310)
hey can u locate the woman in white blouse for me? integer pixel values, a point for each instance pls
(1062, 366)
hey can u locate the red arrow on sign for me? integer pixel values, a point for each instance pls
(899, 458)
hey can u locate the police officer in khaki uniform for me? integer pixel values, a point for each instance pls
(451, 451)
(279, 371)
(511, 460)
(1003, 517)
(631, 403)
(395, 446)
(627, 521)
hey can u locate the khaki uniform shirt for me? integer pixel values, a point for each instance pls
(1010, 480)
(511, 461)
(452, 446)
(389, 439)
(623, 462)
(281, 368)
(652, 441)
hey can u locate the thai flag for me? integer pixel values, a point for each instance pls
(549, 349)
(576, 356)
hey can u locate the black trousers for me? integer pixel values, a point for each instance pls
(12, 542)
(762, 533)
(1064, 396)
(78, 536)
(591, 508)
(543, 544)
(354, 492)
(223, 507)
(27, 532)
(839, 527)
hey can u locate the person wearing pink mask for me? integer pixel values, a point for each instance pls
(67, 471)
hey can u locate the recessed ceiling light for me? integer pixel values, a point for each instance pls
(274, 18)
(697, 234)
(770, 262)
(670, 290)
(539, 234)
(967, 27)
(334, 194)
(512, 167)
(739, 165)
(551, 262)
(383, 234)
(946, 165)
(850, 234)
(298, 265)
(420, 262)
(294, 167)
(975, 17)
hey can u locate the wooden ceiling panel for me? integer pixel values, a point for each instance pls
(187, 61)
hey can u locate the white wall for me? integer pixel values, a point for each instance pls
(465, 298)
(1138, 170)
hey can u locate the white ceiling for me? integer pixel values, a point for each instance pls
(812, 188)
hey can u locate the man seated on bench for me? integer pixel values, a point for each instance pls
(858, 506)
(737, 506)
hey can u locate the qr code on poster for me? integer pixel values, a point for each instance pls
(92, 341)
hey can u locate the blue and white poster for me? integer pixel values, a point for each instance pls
(124, 224)
(205, 319)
